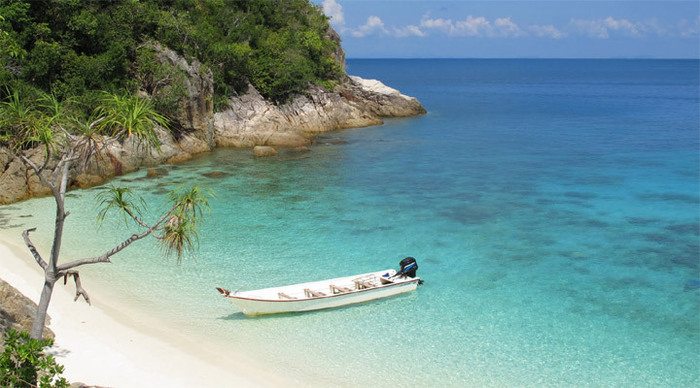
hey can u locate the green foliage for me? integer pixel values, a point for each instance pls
(120, 199)
(30, 117)
(123, 116)
(23, 363)
(180, 231)
(163, 81)
(71, 48)
(26, 117)
(178, 228)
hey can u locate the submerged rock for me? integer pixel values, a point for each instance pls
(692, 284)
(215, 174)
(263, 151)
(156, 172)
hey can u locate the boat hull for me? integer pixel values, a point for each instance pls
(253, 306)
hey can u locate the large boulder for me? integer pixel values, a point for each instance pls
(13, 182)
(381, 99)
(16, 312)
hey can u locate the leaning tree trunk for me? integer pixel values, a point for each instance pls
(40, 317)
(51, 273)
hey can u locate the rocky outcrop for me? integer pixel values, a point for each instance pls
(17, 182)
(248, 121)
(196, 109)
(16, 312)
(195, 136)
(251, 120)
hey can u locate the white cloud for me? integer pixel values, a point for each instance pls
(546, 31)
(334, 11)
(470, 26)
(506, 27)
(406, 31)
(444, 25)
(689, 29)
(622, 25)
(601, 28)
(473, 26)
(374, 24)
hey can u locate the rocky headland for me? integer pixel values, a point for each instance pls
(248, 120)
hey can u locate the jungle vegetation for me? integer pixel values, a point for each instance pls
(78, 49)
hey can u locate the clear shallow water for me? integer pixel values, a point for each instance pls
(553, 207)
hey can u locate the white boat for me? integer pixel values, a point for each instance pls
(323, 294)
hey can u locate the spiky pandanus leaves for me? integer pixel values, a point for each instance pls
(127, 115)
(180, 231)
(176, 229)
(16, 117)
(120, 199)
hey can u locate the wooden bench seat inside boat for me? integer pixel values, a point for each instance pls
(361, 284)
(313, 294)
(282, 295)
(338, 289)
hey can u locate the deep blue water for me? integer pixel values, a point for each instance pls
(553, 207)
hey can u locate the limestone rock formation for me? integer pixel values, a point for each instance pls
(251, 120)
(196, 111)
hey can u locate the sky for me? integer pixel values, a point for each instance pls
(516, 29)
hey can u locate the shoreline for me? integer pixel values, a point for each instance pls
(99, 347)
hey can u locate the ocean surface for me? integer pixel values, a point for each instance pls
(553, 207)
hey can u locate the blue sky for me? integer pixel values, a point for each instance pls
(516, 29)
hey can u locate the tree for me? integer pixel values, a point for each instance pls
(69, 143)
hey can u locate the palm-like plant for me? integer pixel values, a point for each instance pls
(70, 142)
(24, 125)
(124, 116)
(180, 231)
(176, 229)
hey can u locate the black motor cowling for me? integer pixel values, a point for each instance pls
(409, 266)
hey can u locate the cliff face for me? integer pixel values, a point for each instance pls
(248, 121)
(196, 109)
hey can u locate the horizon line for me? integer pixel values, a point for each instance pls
(571, 58)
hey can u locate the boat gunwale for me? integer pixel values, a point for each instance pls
(382, 286)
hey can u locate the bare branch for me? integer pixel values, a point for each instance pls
(37, 171)
(32, 248)
(47, 158)
(105, 257)
(79, 290)
(136, 218)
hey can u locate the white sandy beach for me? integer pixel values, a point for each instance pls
(96, 348)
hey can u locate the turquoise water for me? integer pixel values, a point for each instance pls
(553, 207)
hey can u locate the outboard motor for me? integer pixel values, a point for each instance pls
(409, 266)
